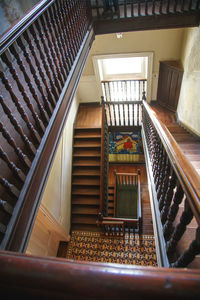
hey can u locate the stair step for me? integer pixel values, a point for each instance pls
(85, 145)
(87, 131)
(85, 181)
(87, 163)
(79, 219)
(92, 136)
(85, 201)
(87, 227)
(85, 191)
(86, 173)
(87, 152)
(84, 210)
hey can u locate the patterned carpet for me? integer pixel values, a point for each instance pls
(130, 249)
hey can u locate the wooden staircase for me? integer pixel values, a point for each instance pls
(86, 178)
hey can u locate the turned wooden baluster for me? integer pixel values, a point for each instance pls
(56, 39)
(6, 207)
(177, 199)
(69, 27)
(161, 173)
(161, 193)
(61, 15)
(17, 150)
(10, 188)
(115, 121)
(189, 255)
(179, 230)
(14, 51)
(41, 23)
(24, 116)
(45, 113)
(7, 59)
(110, 117)
(17, 172)
(50, 88)
(60, 35)
(18, 128)
(168, 197)
(47, 54)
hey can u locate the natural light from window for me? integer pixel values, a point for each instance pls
(128, 65)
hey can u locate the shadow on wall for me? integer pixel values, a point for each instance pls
(12, 11)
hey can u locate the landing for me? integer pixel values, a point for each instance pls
(97, 247)
(89, 116)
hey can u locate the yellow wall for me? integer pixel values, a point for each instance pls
(165, 44)
(189, 102)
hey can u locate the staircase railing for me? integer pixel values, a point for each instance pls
(174, 182)
(137, 8)
(41, 60)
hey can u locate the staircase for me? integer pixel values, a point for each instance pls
(86, 178)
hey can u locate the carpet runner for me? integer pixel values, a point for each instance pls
(131, 249)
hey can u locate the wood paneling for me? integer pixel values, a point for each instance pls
(46, 235)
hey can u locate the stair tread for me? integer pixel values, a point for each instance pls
(87, 155)
(86, 173)
(85, 192)
(84, 181)
(84, 219)
(95, 136)
(87, 164)
(85, 210)
(85, 201)
(87, 145)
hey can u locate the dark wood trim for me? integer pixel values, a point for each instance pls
(194, 134)
(147, 23)
(56, 278)
(20, 226)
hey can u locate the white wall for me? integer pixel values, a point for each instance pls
(165, 44)
(189, 101)
(57, 194)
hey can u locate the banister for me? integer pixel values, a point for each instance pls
(54, 278)
(186, 173)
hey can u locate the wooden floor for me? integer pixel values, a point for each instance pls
(147, 227)
(189, 145)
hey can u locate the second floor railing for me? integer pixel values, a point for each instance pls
(142, 8)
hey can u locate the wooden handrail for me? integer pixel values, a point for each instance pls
(53, 278)
(185, 171)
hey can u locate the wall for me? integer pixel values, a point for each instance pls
(56, 201)
(189, 101)
(165, 44)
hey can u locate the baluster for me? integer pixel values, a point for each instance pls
(8, 87)
(97, 9)
(52, 96)
(146, 7)
(153, 7)
(7, 59)
(12, 166)
(133, 114)
(161, 170)
(161, 193)
(125, 9)
(180, 228)
(190, 5)
(138, 114)
(51, 46)
(66, 26)
(160, 7)
(132, 14)
(53, 40)
(167, 7)
(6, 207)
(197, 5)
(143, 91)
(128, 112)
(46, 50)
(177, 199)
(31, 88)
(139, 9)
(109, 114)
(10, 188)
(168, 198)
(124, 121)
(115, 121)
(17, 150)
(188, 256)
(37, 81)
(17, 127)
(108, 88)
(182, 5)
(58, 12)
(56, 39)
(69, 19)
(175, 6)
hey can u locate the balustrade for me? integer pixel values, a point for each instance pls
(36, 59)
(172, 186)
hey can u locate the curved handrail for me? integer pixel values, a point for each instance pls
(190, 179)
